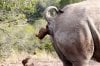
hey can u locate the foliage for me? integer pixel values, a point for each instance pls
(65, 2)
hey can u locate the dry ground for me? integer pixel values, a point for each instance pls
(39, 60)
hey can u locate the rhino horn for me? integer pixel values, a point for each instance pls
(47, 14)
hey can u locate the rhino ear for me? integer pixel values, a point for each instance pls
(50, 12)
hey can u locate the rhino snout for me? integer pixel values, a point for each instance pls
(42, 33)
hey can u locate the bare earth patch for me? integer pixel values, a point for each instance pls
(42, 59)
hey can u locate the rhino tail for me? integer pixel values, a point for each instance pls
(51, 12)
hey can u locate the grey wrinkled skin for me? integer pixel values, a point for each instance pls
(75, 31)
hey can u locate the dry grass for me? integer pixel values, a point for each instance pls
(41, 59)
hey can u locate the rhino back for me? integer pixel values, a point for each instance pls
(74, 14)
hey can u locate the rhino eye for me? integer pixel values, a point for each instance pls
(49, 23)
(47, 26)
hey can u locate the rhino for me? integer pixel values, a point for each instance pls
(74, 31)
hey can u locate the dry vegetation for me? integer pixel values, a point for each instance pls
(40, 59)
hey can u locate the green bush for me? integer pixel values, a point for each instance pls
(66, 2)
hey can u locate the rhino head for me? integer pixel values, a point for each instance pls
(50, 14)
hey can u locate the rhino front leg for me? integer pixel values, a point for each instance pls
(61, 55)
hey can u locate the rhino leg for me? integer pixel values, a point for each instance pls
(61, 56)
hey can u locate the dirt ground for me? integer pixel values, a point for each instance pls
(39, 60)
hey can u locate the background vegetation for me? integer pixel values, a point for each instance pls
(20, 20)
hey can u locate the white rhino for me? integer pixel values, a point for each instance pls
(75, 31)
